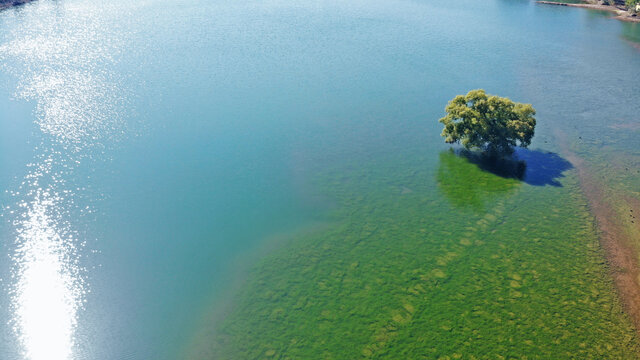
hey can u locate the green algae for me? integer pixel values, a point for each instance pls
(453, 180)
(424, 263)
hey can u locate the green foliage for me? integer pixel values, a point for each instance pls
(631, 4)
(495, 124)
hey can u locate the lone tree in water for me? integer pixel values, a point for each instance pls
(492, 123)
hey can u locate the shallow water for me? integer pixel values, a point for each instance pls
(163, 160)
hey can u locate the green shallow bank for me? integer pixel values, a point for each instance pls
(445, 261)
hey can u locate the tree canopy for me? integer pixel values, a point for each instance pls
(491, 123)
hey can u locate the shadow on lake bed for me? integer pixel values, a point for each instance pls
(471, 179)
(534, 167)
(542, 168)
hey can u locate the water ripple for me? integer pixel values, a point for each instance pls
(49, 287)
(61, 57)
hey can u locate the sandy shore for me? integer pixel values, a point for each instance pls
(618, 236)
(621, 14)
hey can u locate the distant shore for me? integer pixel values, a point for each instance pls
(621, 14)
(5, 4)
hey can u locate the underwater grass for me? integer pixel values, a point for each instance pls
(450, 262)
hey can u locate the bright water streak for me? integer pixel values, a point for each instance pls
(60, 67)
(48, 289)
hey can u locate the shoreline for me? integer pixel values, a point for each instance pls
(12, 3)
(616, 238)
(622, 15)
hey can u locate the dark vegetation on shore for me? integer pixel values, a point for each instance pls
(624, 10)
(4, 4)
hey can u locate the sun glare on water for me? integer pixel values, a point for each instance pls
(48, 292)
(62, 66)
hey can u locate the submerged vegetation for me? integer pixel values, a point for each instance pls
(608, 160)
(492, 123)
(475, 279)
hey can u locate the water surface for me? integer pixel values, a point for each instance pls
(163, 160)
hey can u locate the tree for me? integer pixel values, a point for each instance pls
(492, 123)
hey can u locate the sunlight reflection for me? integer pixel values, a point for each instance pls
(48, 292)
(60, 55)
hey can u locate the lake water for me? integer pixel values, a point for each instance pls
(217, 179)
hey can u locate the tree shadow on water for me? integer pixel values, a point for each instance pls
(534, 167)
(471, 179)
(542, 168)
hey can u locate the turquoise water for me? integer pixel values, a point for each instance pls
(153, 152)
